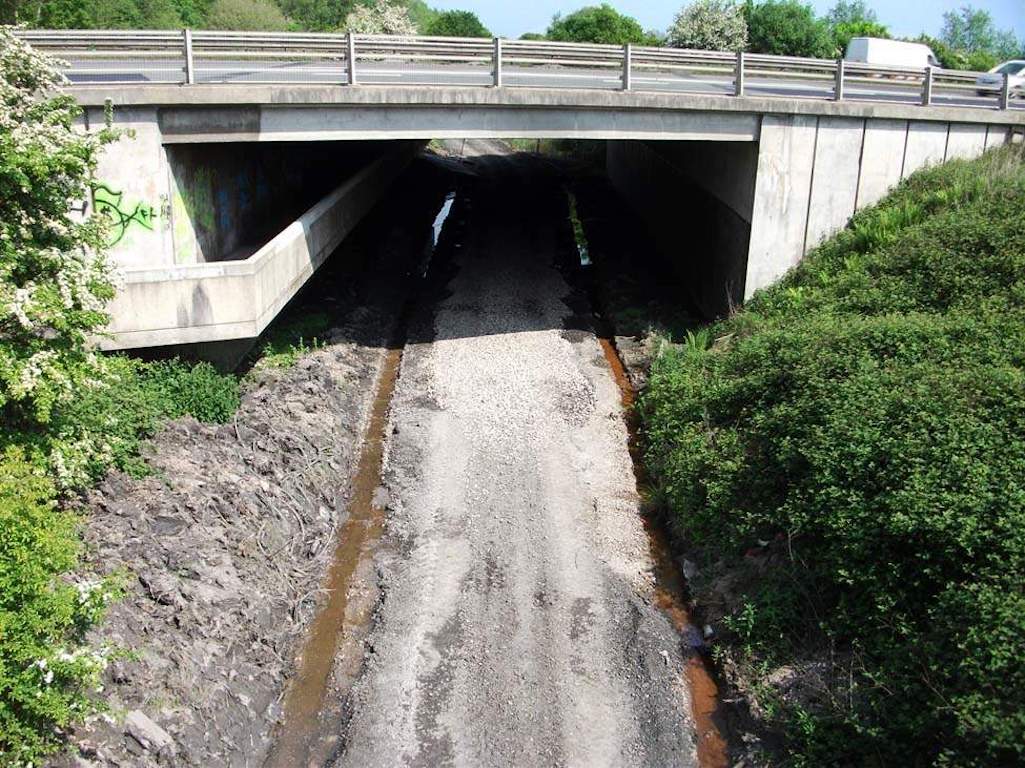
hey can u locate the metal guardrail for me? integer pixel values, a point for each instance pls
(188, 57)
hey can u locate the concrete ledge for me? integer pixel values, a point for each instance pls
(248, 95)
(236, 300)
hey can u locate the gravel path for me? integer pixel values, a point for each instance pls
(517, 625)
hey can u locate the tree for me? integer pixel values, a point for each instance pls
(532, 36)
(193, 13)
(101, 14)
(850, 12)
(457, 24)
(380, 18)
(710, 25)
(317, 15)
(421, 14)
(972, 30)
(597, 24)
(853, 18)
(248, 15)
(843, 33)
(787, 28)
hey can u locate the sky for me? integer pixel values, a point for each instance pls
(904, 17)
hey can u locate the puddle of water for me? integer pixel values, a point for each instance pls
(436, 229)
(439, 220)
(355, 543)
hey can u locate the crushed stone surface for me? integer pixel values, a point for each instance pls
(517, 624)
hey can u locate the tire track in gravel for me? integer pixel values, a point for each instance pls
(519, 623)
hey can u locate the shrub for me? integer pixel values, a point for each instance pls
(249, 15)
(457, 24)
(380, 18)
(711, 25)
(787, 28)
(54, 280)
(597, 24)
(48, 678)
(861, 423)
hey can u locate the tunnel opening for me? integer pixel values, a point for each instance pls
(450, 196)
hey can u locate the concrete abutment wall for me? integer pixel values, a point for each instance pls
(814, 172)
(733, 217)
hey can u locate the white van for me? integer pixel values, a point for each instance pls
(890, 53)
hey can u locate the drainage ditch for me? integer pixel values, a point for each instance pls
(670, 585)
(307, 732)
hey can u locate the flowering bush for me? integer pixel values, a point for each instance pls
(710, 25)
(54, 280)
(380, 18)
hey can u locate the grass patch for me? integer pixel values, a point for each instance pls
(292, 338)
(860, 429)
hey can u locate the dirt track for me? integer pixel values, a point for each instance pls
(517, 624)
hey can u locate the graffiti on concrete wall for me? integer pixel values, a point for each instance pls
(111, 204)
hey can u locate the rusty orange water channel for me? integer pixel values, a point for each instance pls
(712, 748)
(355, 539)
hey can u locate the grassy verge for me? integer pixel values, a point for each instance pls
(848, 454)
(292, 337)
(49, 676)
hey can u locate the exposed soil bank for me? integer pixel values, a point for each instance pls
(225, 546)
(519, 621)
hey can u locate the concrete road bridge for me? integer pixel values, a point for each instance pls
(234, 135)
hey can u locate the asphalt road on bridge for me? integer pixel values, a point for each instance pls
(323, 72)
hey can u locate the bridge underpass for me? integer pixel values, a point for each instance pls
(757, 181)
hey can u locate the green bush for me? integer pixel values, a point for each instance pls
(250, 15)
(863, 422)
(457, 24)
(103, 427)
(597, 24)
(48, 678)
(787, 28)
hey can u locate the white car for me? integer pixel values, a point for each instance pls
(993, 80)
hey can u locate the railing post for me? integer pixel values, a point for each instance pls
(738, 75)
(190, 71)
(927, 88)
(350, 57)
(838, 88)
(1005, 92)
(628, 53)
(498, 62)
